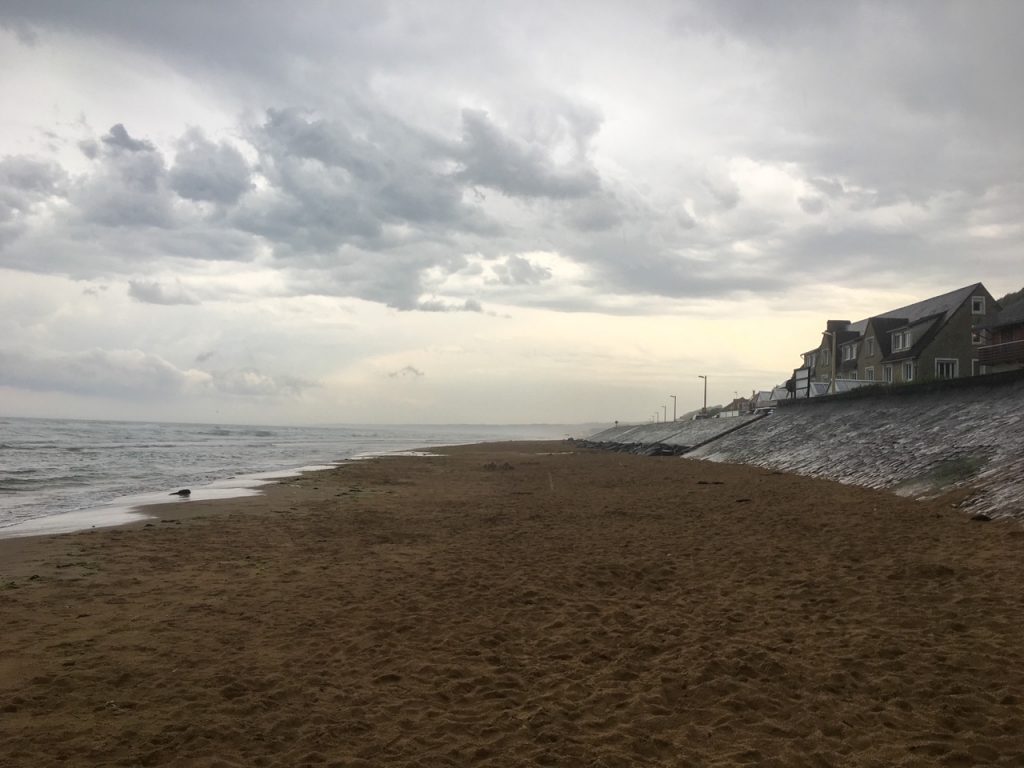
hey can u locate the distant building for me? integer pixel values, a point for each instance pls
(738, 406)
(938, 338)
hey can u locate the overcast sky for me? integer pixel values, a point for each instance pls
(355, 212)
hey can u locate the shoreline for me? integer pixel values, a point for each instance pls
(523, 604)
(66, 474)
(132, 509)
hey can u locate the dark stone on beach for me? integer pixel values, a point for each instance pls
(182, 492)
(981, 517)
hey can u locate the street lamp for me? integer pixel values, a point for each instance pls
(704, 410)
(673, 407)
(664, 412)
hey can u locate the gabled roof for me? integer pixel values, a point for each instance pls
(937, 310)
(911, 314)
(937, 305)
(882, 326)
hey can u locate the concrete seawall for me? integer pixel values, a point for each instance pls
(668, 438)
(965, 436)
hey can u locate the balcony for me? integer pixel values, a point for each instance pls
(999, 354)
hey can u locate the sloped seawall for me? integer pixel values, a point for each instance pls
(671, 437)
(918, 441)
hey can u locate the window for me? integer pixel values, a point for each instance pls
(869, 345)
(902, 340)
(977, 305)
(869, 373)
(849, 352)
(908, 371)
(946, 368)
(825, 355)
(853, 375)
(976, 337)
(887, 373)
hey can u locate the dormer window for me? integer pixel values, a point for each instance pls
(902, 340)
(977, 305)
(849, 352)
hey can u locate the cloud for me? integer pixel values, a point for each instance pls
(523, 167)
(118, 138)
(128, 186)
(363, 176)
(406, 372)
(516, 270)
(811, 205)
(25, 184)
(30, 176)
(152, 292)
(251, 382)
(723, 188)
(439, 305)
(126, 373)
(137, 375)
(204, 171)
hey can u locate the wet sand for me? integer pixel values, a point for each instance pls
(515, 605)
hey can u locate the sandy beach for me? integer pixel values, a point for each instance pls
(520, 604)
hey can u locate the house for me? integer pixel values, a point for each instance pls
(764, 399)
(938, 338)
(1002, 347)
(738, 406)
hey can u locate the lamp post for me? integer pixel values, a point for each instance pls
(673, 407)
(704, 410)
(664, 413)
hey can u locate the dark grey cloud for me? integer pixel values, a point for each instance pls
(25, 184)
(330, 188)
(204, 171)
(31, 177)
(127, 187)
(118, 138)
(522, 168)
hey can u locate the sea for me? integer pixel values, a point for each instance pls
(60, 475)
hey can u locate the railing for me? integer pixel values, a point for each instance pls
(1007, 352)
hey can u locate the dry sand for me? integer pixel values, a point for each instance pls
(513, 605)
